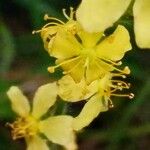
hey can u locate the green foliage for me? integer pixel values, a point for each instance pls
(7, 48)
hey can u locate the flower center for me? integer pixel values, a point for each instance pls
(24, 127)
(88, 54)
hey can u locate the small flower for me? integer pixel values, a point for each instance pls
(103, 13)
(98, 96)
(90, 55)
(29, 124)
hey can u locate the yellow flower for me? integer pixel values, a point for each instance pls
(50, 30)
(97, 15)
(29, 124)
(98, 96)
(90, 55)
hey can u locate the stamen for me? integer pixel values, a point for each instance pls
(23, 127)
(37, 31)
(50, 24)
(110, 103)
(57, 22)
(114, 90)
(46, 17)
(45, 27)
(118, 75)
(65, 14)
(112, 62)
(126, 70)
(121, 84)
(71, 13)
(52, 69)
(130, 96)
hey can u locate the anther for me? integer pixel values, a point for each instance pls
(46, 17)
(119, 63)
(123, 76)
(111, 106)
(33, 32)
(119, 86)
(110, 103)
(71, 12)
(131, 95)
(126, 70)
(51, 69)
(71, 9)
(129, 84)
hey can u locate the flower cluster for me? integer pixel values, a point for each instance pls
(92, 71)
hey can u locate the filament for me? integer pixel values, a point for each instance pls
(131, 95)
(110, 103)
(69, 71)
(126, 70)
(45, 27)
(65, 14)
(46, 17)
(112, 62)
(51, 69)
(71, 13)
(50, 23)
(121, 83)
(118, 75)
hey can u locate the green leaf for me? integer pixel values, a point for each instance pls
(7, 48)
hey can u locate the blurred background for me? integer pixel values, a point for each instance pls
(23, 62)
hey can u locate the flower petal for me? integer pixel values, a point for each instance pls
(44, 98)
(19, 102)
(59, 130)
(94, 71)
(48, 34)
(73, 92)
(75, 68)
(64, 46)
(97, 15)
(36, 143)
(141, 12)
(89, 112)
(115, 46)
(89, 39)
